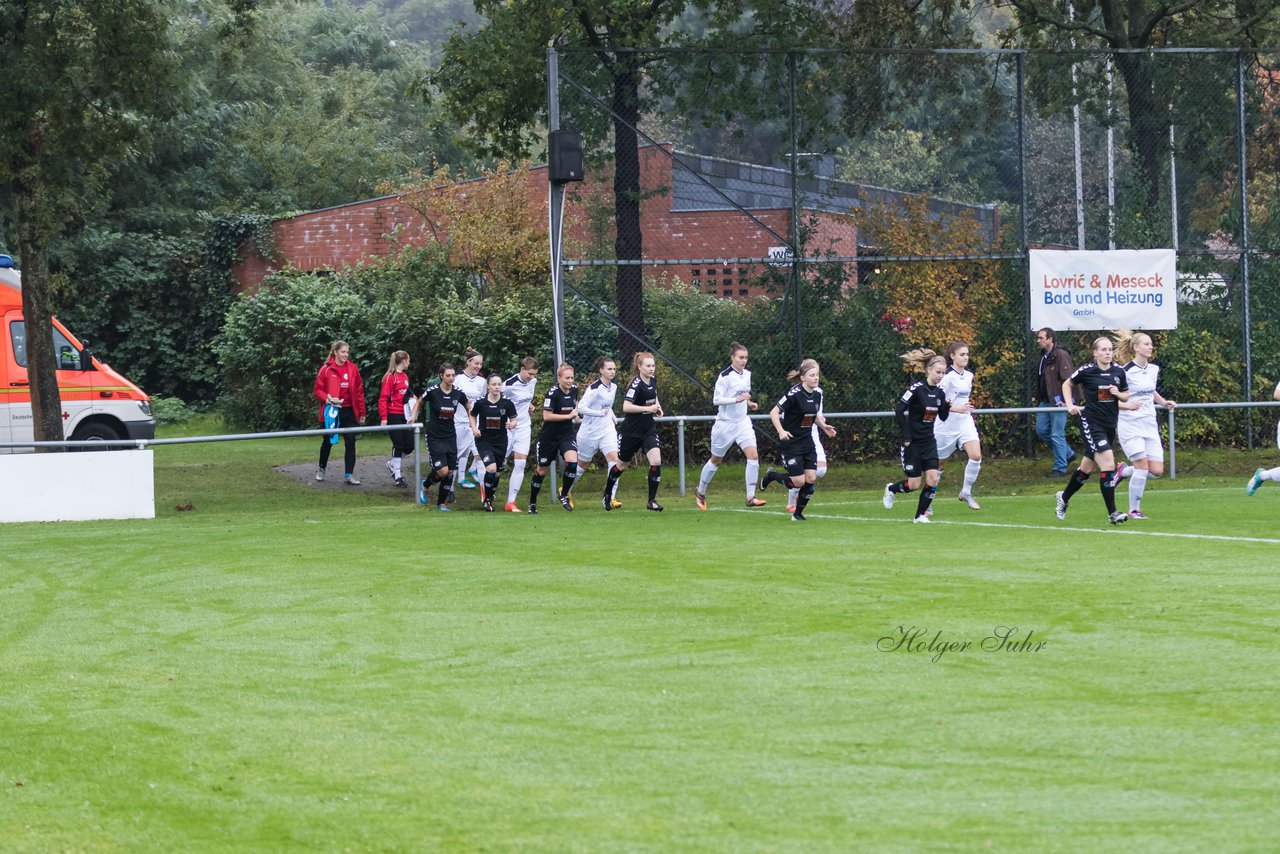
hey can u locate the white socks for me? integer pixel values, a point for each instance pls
(708, 472)
(1272, 474)
(753, 477)
(395, 466)
(971, 470)
(1137, 485)
(517, 480)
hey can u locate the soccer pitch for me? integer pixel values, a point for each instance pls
(285, 668)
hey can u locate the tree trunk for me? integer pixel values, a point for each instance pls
(1148, 122)
(46, 402)
(629, 240)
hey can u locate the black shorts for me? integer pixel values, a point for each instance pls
(1099, 436)
(442, 454)
(918, 457)
(629, 445)
(550, 447)
(800, 457)
(492, 452)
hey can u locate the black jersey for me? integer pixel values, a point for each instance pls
(1090, 383)
(492, 418)
(798, 410)
(641, 393)
(559, 402)
(917, 410)
(439, 407)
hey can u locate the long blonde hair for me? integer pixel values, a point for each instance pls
(1124, 344)
(398, 358)
(922, 359)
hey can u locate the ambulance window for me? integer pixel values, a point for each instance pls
(18, 333)
(67, 355)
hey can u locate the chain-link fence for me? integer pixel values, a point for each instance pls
(851, 206)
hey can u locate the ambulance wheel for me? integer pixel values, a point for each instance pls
(96, 432)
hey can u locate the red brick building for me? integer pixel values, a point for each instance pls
(691, 214)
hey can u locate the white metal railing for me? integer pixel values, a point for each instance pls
(679, 420)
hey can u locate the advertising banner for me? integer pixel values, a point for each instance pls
(1088, 290)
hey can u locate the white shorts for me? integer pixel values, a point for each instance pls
(726, 434)
(949, 441)
(603, 443)
(1140, 442)
(466, 440)
(518, 439)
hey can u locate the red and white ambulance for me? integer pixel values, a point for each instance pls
(97, 402)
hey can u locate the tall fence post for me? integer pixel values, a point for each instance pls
(680, 433)
(1242, 156)
(1173, 449)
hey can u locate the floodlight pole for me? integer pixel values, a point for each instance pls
(555, 211)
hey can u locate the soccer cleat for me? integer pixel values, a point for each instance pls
(1254, 482)
(797, 516)
(1124, 471)
(453, 497)
(443, 508)
(351, 480)
(320, 475)
(791, 508)
(1137, 514)
(769, 477)
(1118, 517)
(654, 506)
(700, 500)
(469, 483)
(922, 520)
(488, 505)
(968, 499)
(758, 502)
(533, 510)
(399, 481)
(422, 493)
(1061, 510)
(928, 513)
(887, 498)
(511, 507)
(614, 504)
(566, 502)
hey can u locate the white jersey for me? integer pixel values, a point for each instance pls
(596, 409)
(474, 388)
(1142, 391)
(521, 393)
(729, 385)
(956, 387)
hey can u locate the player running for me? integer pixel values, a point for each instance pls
(917, 412)
(1103, 384)
(732, 426)
(793, 417)
(491, 417)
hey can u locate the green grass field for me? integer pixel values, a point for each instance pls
(288, 668)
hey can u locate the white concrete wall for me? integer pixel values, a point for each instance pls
(77, 486)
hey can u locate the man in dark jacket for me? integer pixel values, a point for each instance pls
(1054, 367)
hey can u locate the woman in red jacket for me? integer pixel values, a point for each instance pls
(391, 410)
(338, 384)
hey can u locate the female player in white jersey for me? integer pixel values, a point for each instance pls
(959, 431)
(732, 426)
(1262, 474)
(521, 389)
(1137, 430)
(473, 385)
(598, 432)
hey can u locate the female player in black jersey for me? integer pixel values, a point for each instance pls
(441, 401)
(639, 432)
(491, 417)
(794, 416)
(556, 439)
(1103, 384)
(916, 412)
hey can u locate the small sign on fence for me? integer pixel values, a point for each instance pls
(1086, 290)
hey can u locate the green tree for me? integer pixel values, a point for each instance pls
(85, 83)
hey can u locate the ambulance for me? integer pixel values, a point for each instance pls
(97, 402)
